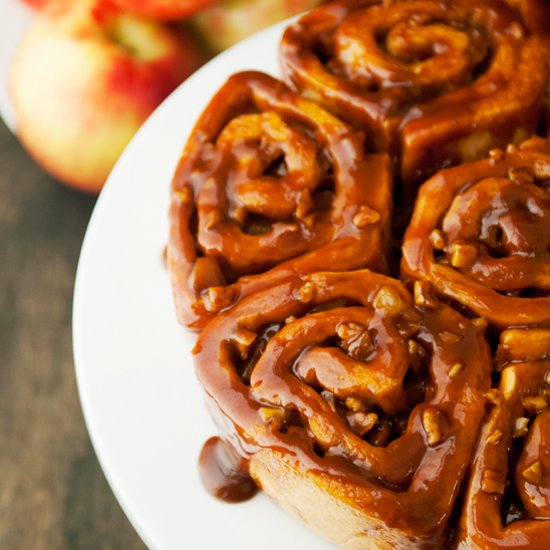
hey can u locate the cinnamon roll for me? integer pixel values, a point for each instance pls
(269, 185)
(355, 406)
(435, 82)
(480, 233)
(507, 503)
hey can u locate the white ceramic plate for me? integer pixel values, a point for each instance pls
(142, 403)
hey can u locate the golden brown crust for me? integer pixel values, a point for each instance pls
(436, 82)
(352, 395)
(507, 503)
(480, 233)
(304, 494)
(269, 185)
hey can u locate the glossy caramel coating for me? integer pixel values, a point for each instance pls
(507, 504)
(535, 14)
(480, 233)
(435, 82)
(356, 406)
(271, 185)
(224, 473)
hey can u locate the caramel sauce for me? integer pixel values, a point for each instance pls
(480, 233)
(345, 377)
(164, 258)
(382, 393)
(403, 70)
(271, 184)
(223, 472)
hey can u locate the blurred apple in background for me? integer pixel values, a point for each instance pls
(163, 9)
(229, 21)
(85, 78)
(36, 4)
(89, 72)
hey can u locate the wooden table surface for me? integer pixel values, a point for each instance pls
(52, 491)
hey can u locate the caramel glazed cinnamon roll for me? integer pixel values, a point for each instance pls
(351, 404)
(507, 503)
(437, 82)
(480, 233)
(269, 185)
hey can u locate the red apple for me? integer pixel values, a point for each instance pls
(225, 24)
(164, 9)
(36, 4)
(85, 78)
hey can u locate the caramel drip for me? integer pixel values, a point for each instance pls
(223, 472)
